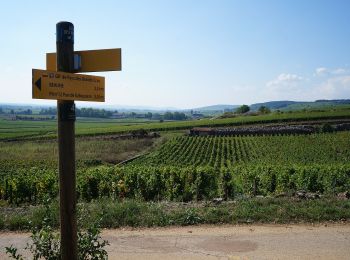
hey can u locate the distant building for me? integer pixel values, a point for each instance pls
(197, 115)
(202, 131)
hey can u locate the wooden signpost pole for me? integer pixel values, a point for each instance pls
(66, 145)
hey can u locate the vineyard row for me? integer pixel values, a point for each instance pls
(34, 185)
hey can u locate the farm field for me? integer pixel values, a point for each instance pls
(263, 165)
(18, 129)
(177, 168)
(47, 129)
(218, 151)
(198, 168)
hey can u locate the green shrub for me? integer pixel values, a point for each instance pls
(18, 222)
(46, 243)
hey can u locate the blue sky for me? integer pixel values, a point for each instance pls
(189, 53)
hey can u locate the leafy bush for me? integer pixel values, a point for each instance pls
(46, 243)
(242, 109)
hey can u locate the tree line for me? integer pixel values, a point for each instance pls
(102, 113)
(81, 112)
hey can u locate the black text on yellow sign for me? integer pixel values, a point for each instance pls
(67, 86)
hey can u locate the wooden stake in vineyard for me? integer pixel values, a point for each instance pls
(60, 83)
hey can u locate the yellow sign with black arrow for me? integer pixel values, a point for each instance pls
(67, 86)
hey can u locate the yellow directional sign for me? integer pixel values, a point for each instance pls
(91, 61)
(67, 86)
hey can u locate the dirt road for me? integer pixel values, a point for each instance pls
(221, 242)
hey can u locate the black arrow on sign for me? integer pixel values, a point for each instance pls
(38, 83)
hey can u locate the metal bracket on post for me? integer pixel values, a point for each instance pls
(77, 62)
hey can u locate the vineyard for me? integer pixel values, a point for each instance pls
(217, 151)
(199, 168)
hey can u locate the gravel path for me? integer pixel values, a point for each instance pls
(331, 241)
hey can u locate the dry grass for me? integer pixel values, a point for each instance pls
(111, 151)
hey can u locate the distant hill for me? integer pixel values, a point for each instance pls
(337, 101)
(272, 104)
(283, 105)
(299, 105)
(215, 108)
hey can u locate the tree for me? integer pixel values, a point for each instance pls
(179, 116)
(48, 111)
(242, 109)
(264, 110)
(149, 115)
(91, 112)
(168, 116)
(133, 114)
(174, 116)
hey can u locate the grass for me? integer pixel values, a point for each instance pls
(132, 213)
(26, 154)
(103, 150)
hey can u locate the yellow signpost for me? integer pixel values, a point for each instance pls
(67, 86)
(60, 82)
(91, 60)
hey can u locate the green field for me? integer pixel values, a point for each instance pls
(19, 129)
(47, 129)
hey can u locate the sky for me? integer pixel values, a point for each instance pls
(188, 54)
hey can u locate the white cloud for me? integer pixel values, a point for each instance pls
(330, 84)
(285, 86)
(327, 72)
(339, 71)
(321, 71)
(284, 79)
(335, 88)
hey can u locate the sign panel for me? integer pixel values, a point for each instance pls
(92, 60)
(67, 86)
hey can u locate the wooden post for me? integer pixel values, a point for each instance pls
(66, 146)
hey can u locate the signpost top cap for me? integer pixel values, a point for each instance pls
(64, 32)
(64, 23)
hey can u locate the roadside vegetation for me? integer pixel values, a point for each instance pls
(115, 213)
